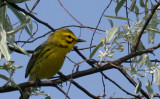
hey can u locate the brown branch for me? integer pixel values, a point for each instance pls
(34, 6)
(34, 39)
(57, 81)
(106, 77)
(119, 85)
(84, 90)
(31, 15)
(80, 73)
(31, 51)
(131, 55)
(88, 27)
(133, 82)
(18, 51)
(144, 27)
(62, 76)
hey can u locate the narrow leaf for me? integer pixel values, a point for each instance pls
(48, 97)
(157, 76)
(16, 1)
(2, 15)
(111, 22)
(22, 18)
(4, 77)
(146, 7)
(137, 12)
(132, 5)
(149, 89)
(119, 5)
(142, 3)
(19, 48)
(117, 17)
(153, 30)
(111, 33)
(95, 50)
(19, 27)
(138, 87)
(3, 44)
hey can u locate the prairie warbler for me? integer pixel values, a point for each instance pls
(48, 58)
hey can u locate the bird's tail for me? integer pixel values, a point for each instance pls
(25, 94)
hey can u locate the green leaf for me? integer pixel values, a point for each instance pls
(137, 12)
(139, 23)
(133, 70)
(153, 30)
(2, 14)
(4, 77)
(111, 22)
(149, 89)
(141, 46)
(143, 59)
(141, 75)
(146, 7)
(19, 27)
(117, 17)
(119, 5)
(142, 3)
(117, 1)
(132, 5)
(3, 44)
(95, 50)
(17, 1)
(157, 76)
(120, 47)
(19, 48)
(48, 97)
(30, 26)
(138, 87)
(22, 18)
(111, 33)
(9, 27)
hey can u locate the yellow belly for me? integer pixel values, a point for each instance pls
(48, 67)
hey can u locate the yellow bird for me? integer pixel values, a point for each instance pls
(48, 58)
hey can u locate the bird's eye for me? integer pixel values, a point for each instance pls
(69, 36)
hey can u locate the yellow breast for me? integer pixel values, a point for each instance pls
(49, 66)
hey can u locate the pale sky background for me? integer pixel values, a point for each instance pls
(88, 13)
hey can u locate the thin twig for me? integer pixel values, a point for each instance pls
(144, 27)
(80, 73)
(31, 15)
(69, 13)
(88, 27)
(37, 2)
(100, 70)
(77, 85)
(84, 90)
(133, 82)
(99, 22)
(63, 92)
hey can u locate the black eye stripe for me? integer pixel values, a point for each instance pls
(69, 36)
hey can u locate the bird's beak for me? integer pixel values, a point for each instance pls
(80, 40)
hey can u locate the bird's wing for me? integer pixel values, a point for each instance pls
(34, 57)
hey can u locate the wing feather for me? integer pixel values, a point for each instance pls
(34, 57)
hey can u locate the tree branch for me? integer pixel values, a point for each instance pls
(31, 15)
(144, 27)
(79, 74)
